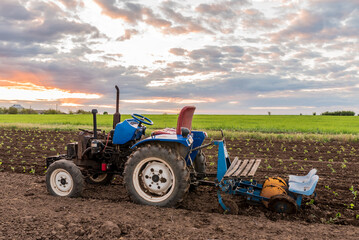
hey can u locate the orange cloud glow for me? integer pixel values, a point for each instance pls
(28, 91)
(71, 105)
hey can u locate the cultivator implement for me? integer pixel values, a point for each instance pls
(236, 178)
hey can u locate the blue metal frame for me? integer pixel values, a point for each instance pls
(220, 200)
(198, 138)
(223, 160)
(249, 189)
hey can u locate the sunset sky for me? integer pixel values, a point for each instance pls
(224, 57)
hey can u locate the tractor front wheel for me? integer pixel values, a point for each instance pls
(156, 175)
(64, 179)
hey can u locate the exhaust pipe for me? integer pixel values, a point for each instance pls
(117, 115)
(94, 111)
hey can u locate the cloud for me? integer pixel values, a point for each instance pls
(27, 91)
(132, 14)
(322, 21)
(222, 17)
(128, 34)
(178, 51)
(10, 49)
(170, 100)
(253, 18)
(182, 24)
(222, 56)
(40, 23)
(72, 4)
(12, 10)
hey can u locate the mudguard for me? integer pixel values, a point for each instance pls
(187, 142)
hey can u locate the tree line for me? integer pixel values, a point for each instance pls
(13, 110)
(339, 113)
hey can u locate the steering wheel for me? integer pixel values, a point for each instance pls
(141, 119)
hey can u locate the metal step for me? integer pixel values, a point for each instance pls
(245, 168)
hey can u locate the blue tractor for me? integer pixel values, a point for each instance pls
(157, 170)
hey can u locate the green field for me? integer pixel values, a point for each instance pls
(238, 123)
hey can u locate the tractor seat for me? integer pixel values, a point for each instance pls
(164, 131)
(306, 188)
(184, 121)
(303, 179)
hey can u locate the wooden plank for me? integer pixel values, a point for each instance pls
(235, 164)
(240, 169)
(254, 168)
(248, 167)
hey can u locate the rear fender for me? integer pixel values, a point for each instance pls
(180, 144)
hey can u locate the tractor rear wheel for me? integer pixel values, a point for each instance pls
(156, 175)
(99, 179)
(64, 179)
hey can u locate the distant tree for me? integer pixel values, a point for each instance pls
(81, 111)
(71, 112)
(300, 114)
(105, 113)
(12, 110)
(52, 111)
(3, 110)
(269, 113)
(339, 113)
(28, 111)
(314, 113)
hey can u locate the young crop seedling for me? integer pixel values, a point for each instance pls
(337, 216)
(349, 206)
(353, 192)
(311, 202)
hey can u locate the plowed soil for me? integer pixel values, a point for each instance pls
(27, 211)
